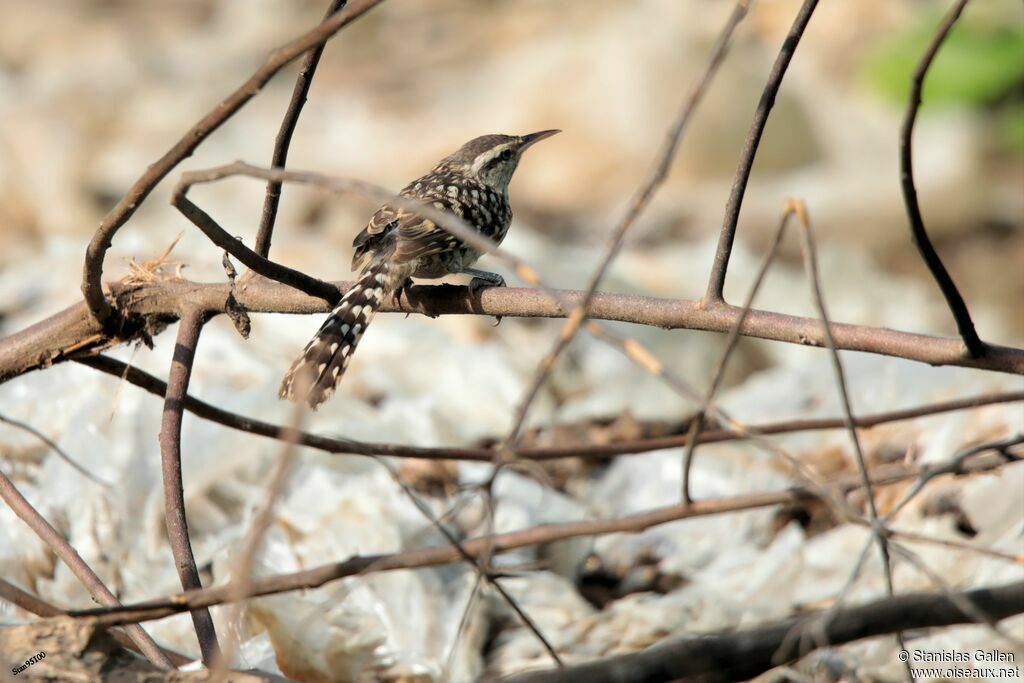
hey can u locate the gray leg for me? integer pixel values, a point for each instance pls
(482, 278)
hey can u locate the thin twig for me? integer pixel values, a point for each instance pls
(640, 201)
(85, 575)
(92, 275)
(207, 411)
(41, 608)
(975, 347)
(174, 494)
(697, 424)
(241, 575)
(716, 282)
(499, 543)
(284, 137)
(476, 562)
(24, 426)
(877, 526)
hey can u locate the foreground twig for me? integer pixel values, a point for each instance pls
(741, 655)
(697, 425)
(810, 256)
(41, 608)
(479, 564)
(82, 571)
(917, 230)
(174, 494)
(641, 199)
(435, 556)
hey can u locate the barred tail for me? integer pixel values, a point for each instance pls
(326, 356)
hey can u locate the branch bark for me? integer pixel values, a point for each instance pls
(716, 282)
(741, 655)
(174, 493)
(917, 230)
(92, 272)
(150, 307)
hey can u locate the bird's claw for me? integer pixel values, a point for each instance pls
(477, 283)
(401, 289)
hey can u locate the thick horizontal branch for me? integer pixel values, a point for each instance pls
(147, 307)
(741, 655)
(489, 545)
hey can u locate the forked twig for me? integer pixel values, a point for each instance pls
(92, 289)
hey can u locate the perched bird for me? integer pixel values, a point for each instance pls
(399, 244)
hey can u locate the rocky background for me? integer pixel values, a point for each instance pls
(92, 92)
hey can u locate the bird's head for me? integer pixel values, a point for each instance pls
(491, 159)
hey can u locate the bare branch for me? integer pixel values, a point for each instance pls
(741, 655)
(328, 444)
(82, 571)
(72, 331)
(174, 494)
(716, 282)
(441, 555)
(284, 137)
(92, 275)
(975, 347)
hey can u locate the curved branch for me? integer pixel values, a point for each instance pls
(284, 137)
(92, 274)
(741, 655)
(716, 282)
(956, 304)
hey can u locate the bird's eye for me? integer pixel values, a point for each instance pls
(505, 155)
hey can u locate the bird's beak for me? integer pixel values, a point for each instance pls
(528, 140)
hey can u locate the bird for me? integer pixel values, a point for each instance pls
(399, 244)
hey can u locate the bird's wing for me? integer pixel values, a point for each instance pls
(418, 236)
(376, 236)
